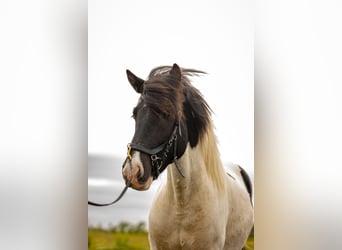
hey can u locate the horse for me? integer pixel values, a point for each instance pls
(200, 206)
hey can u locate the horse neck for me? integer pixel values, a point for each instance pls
(202, 168)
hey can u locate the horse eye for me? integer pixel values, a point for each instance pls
(165, 114)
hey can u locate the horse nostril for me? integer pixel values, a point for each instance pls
(141, 179)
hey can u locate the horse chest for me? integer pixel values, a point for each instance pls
(188, 228)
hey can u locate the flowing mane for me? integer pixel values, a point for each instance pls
(211, 157)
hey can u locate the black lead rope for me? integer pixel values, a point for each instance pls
(175, 160)
(128, 184)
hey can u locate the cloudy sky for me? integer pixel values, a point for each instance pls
(213, 36)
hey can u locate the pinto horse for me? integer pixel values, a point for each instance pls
(200, 206)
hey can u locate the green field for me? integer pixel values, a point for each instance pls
(107, 240)
(128, 238)
(250, 243)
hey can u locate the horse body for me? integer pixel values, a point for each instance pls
(200, 206)
(197, 213)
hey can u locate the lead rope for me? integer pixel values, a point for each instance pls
(128, 184)
(175, 159)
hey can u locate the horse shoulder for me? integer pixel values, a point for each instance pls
(241, 215)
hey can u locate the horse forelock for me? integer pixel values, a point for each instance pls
(163, 97)
(180, 98)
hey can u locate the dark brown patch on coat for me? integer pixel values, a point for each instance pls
(247, 182)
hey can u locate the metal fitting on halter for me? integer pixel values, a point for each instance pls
(129, 152)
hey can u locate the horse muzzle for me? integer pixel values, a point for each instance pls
(133, 171)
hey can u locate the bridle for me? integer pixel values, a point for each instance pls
(159, 154)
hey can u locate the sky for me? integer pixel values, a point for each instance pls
(213, 36)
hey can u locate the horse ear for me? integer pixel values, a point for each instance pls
(176, 72)
(136, 82)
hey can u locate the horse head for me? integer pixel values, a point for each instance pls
(160, 135)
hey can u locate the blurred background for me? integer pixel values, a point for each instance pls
(44, 119)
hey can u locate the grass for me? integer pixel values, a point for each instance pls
(99, 239)
(249, 244)
(108, 240)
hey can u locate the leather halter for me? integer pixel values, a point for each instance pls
(159, 154)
